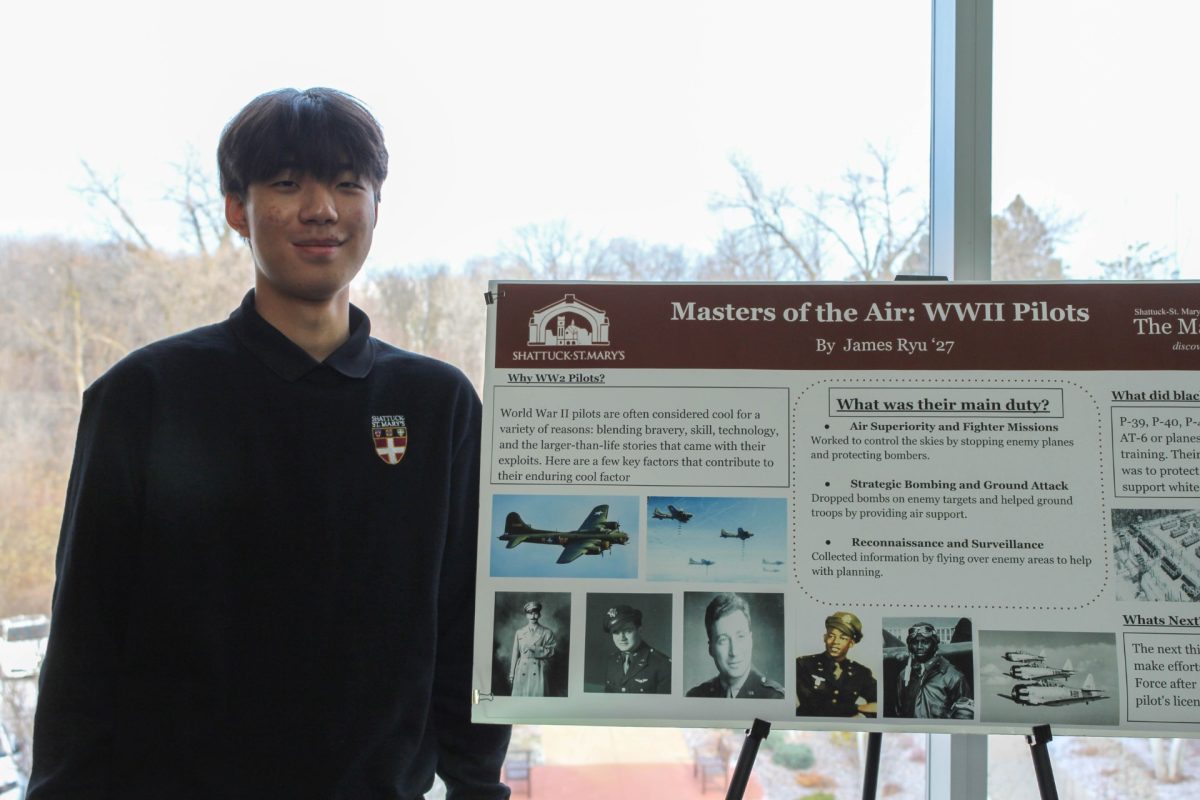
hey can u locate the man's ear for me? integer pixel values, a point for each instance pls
(376, 213)
(235, 214)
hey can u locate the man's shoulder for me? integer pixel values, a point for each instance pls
(391, 359)
(186, 351)
(759, 685)
(814, 661)
(710, 688)
(656, 657)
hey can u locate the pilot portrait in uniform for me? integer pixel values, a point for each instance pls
(531, 644)
(633, 667)
(729, 626)
(928, 686)
(829, 684)
(533, 647)
(637, 624)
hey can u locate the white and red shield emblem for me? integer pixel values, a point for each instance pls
(391, 438)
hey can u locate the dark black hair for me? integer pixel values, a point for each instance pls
(318, 131)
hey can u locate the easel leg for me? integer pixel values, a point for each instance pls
(741, 773)
(1041, 761)
(871, 768)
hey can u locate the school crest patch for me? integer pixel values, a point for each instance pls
(390, 433)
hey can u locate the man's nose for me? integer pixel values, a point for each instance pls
(317, 204)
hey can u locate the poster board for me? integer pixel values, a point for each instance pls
(1005, 474)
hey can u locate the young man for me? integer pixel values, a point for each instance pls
(634, 667)
(267, 553)
(829, 684)
(731, 645)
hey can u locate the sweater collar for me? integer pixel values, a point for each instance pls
(353, 359)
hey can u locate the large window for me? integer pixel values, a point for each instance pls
(646, 141)
(1095, 169)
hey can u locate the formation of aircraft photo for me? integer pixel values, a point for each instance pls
(594, 537)
(1046, 686)
(677, 514)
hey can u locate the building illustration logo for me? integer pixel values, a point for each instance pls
(569, 322)
(390, 434)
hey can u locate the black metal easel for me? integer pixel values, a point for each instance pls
(741, 773)
(1041, 761)
(871, 768)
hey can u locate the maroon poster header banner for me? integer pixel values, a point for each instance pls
(849, 326)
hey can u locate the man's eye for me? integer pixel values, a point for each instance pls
(284, 183)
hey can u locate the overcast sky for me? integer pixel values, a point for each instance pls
(618, 118)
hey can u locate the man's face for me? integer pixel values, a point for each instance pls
(533, 616)
(922, 647)
(626, 636)
(837, 644)
(309, 237)
(732, 645)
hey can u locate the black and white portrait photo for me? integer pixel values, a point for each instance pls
(928, 668)
(532, 644)
(733, 644)
(627, 645)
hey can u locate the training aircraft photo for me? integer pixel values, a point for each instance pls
(1047, 694)
(1039, 672)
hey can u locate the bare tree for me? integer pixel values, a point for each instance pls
(1140, 263)
(881, 234)
(201, 208)
(105, 193)
(1024, 242)
(869, 227)
(782, 242)
(432, 311)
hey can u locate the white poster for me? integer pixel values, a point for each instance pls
(913, 506)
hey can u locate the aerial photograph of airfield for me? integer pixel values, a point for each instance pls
(724, 539)
(1157, 554)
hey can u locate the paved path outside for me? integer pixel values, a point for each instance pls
(624, 781)
(565, 744)
(627, 763)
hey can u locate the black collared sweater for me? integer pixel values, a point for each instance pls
(252, 602)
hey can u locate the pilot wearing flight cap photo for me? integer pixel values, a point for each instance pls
(634, 667)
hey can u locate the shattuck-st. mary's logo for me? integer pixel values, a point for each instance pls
(568, 323)
(390, 433)
(578, 328)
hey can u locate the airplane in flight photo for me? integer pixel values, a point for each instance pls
(1053, 694)
(1039, 672)
(677, 514)
(1021, 657)
(742, 534)
(594, 537)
